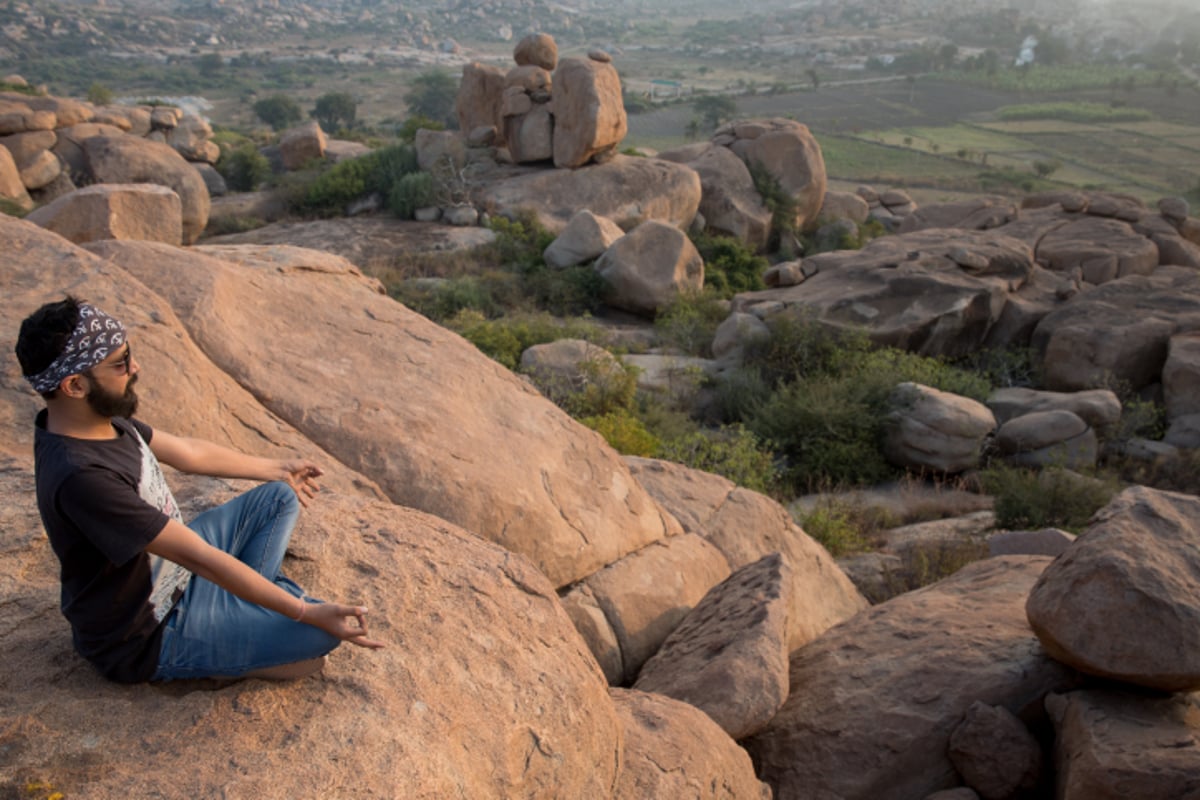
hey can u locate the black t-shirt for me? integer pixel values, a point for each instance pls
(102, 502)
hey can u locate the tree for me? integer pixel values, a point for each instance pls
(279, 111)
(335, 110)
(692, 131)
(814, 77)
(99, 94)
(947, 55)
(715, 109)
(432, 95)
(1045, 169)
(210, 65)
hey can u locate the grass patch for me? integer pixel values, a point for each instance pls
(1050, 498)
(1089, 113)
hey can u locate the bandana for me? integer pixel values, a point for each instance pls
(95, 337)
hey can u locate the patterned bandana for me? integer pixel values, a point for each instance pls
(95, 337)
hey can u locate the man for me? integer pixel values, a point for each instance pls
(149, 598)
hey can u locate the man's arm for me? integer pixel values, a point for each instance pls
(184, 546)
(201, 457)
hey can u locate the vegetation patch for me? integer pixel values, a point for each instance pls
(1029, 499)
(1073, 112)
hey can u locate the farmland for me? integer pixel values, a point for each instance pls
(947, 134)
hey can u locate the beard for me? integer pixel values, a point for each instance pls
(111, 404)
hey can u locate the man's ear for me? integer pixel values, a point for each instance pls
(73, 386)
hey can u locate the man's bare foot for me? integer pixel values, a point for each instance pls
(289, 672)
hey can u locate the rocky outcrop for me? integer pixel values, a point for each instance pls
(729, 656)
(649, 267)
(480, 98)
(674, 750)
(1181, 376)
(976, 214)
(645, 595)
(927, 429)
(11, 186)
(788, 152)
(1121, 602)
(626, 190)
(537, 49)
(747, 526)
(936, 292)
(995, 753)
(729, 201)
(114, 211)
(1108, 741)
(551, 499)
(127, 159)
(874, 701)
(1118, 331)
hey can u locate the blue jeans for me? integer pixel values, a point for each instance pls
(210, 632)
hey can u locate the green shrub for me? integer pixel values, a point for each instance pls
(566, 292)
(729, 265)
(778, 200)
(244, 169)
(279, 111)
(332, 190)
(826, 417)
(506, 338)
(99, 94)
(835, 524)
(731, 451)
(624, 432)
(689, 323)
(1051, 498)
(411, 192)
(231, 223)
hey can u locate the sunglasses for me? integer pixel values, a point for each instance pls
(123, 365)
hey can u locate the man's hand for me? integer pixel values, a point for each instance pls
(335, 619)
(302, 476)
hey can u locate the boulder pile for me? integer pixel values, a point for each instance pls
(50, 145)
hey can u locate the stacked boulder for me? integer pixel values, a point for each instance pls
(49, 145)
(569, 111)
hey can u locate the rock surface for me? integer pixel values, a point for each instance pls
(729, 201)
(143, 211)
(790, 154)
(1122, 601)
(649, 267)
(927, 429)
(589, 113)
(585, 238)
(1111, 744)
(127, 159)
(873, 701)
(995, 753)
(1099, 408)
(626, 190)
(551, 499)
(673, 750)
(729, 656)
(746, 526)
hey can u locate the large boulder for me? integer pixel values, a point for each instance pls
(647, 593)
(729, 202)
(979, 213)
(589, 111)
(192, 137)
(1108, 744)
(1102, 249)
(480, 94)
(789, 153)
(673, 750)
(1123, 601)
(936, 292)
(747, 526)
(440, 151)
(1181, 375)
(1118, 332)
(1099, 408)
(927, 429)
(530, 135)
(67, 111)
(1048, 438)
(626, 190)
(585, 238)
(68, 144)
(874, 701)
(563, 498)
(463, 702)
(729, 656)
(537, 49)
(12, 188)
(649, 267)
(127, 159)
(16, 116)
(114, 211)
(995, 753)
(302, 144)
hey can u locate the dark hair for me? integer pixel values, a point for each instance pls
(44, 334)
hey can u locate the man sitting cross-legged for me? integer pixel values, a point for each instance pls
(149, 598)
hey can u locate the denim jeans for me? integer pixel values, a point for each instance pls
(212, 633)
